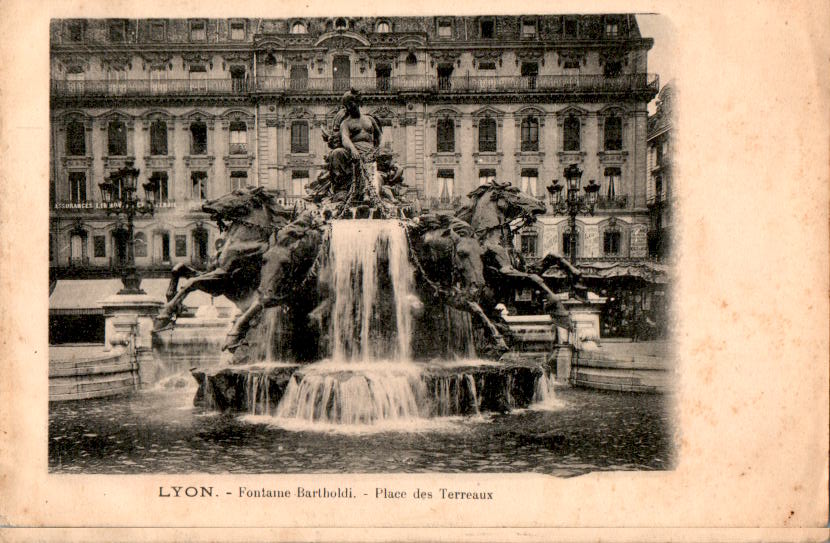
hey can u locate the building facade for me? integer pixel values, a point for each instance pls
(660, 166)
(205, 105)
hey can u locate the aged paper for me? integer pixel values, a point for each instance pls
(751, 306)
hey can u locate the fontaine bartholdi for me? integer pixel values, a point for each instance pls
(358, 309)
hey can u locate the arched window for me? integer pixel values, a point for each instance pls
(530, 134)
(75, 139)
(383, 28)
(571, 140)
(340, 24)
(198, 138)
(117, 138)
(613, 133)
(239, 138)
(446, 135)
(298, 27)
(411, 59)
(158, 138)
(140, 244)
(299, 137)
(487, 135)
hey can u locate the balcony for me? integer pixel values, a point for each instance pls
(612, 202)
(148, 87)
(327, 85)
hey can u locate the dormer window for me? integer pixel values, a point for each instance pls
(157, 31)
(383, 28)
(198, 31)
(529, 28)
(237, 31)
(75, 31)
(445, 28)
(298, 28)
(612, 28)
(118, 31)
(340, 24)
(570, 27)
(488, 29)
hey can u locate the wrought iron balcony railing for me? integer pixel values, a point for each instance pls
(381, 84)
(612, 202)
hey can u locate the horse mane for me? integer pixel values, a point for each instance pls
(465, 212)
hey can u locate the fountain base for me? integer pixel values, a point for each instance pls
(462, 387)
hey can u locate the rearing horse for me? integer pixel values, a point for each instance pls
(252, 216)
(492, 209)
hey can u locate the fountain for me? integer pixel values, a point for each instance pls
(358, 312)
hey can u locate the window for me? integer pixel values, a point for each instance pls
(239, 179)
(77, 246)
(570, 27)
(158, 76)
(383, 76)
(75, 139)
(612, 68)
(198, 138)
(445, 28)
(162, 247)
(157, 31)
(530, 134)
(528, 28)
(237, 31)
(198, 31)
(117, 81)
(612, 29)
(611, 242)
(613, 133)
(530, 71)
(571, 140)
(198, 77)
(612, 181)
(158, 138)
(299, 182)
(298, 28)
(445, 76)
(117, 139)
(299, 137)
(529, 243)
(571, 62)
(159, 179)
(487, 68)
(340, 24)
(530, 177)
(566, 244)
(446, 180)
(411, 59)
(383, 28)
(658, 187)
(487, 135)
(239, 138)
(446, 135)
(117, 31)
(181, 245)
(299, 77)
(488, 29)
(486, 176)
(198, 186)
(75, 79)
(238, 78)
(140, 244)
(75, 31)
(99, 246)
(77, 187)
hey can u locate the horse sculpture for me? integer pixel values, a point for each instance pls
(494, 211)
(287, 264)
(449, 259)
(248, 217)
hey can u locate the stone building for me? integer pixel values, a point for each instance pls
(206, 105)
(659, 196)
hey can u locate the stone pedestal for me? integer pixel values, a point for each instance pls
(129, 321)
(584, 315)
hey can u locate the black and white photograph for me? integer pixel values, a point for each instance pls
(360, 244)
(437, 272)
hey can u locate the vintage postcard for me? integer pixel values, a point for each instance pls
(387, 272)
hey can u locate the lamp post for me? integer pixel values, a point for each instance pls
(574, 203)
(118, 193)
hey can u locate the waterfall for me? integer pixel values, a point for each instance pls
(370, 261)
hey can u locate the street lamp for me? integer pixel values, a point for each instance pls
(574, 203)
(118, 192)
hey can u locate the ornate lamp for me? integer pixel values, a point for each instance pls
(555, 193)
(574, 203)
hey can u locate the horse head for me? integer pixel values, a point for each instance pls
(495, 203)
(468, 260)
(241, 204)
(452, 249)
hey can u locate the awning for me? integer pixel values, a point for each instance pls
(84, 296)
(647, 271)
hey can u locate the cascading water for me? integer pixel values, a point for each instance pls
(370, 376)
